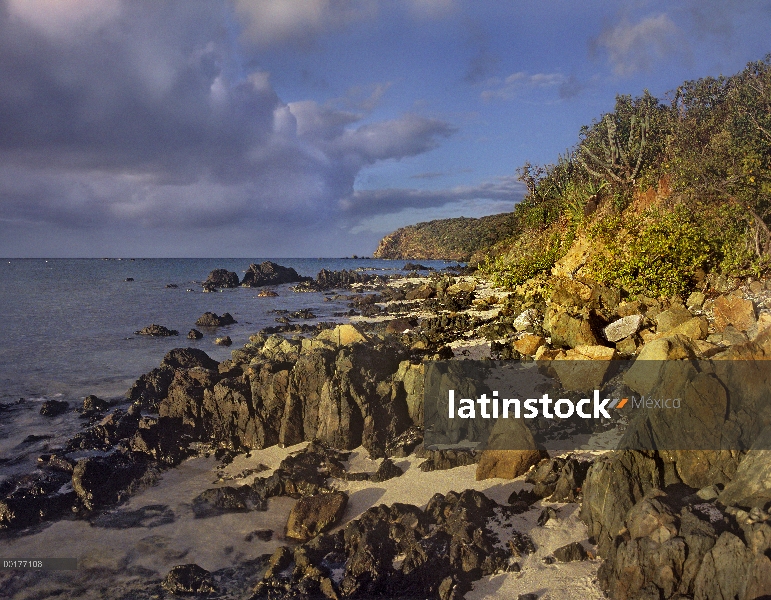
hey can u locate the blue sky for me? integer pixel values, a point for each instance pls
(313, 127)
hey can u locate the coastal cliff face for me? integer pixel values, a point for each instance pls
(446, 239)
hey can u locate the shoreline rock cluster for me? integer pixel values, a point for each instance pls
(667, 524)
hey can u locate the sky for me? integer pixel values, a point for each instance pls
(311, 128)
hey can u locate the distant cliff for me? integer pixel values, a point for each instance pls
(446, 239)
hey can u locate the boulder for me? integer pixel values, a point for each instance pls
(92, 404)
(751, 486)
(387, 470)
(223, 341)
(669, 319)
(194, 334)
(401, 325)
(54, 408)
(695, 300)
(187, 358)
(314, 514)
(210, 319)
(623, 328)
(270, 273)
(613, 485)
(157, 331)
(570, 330)
(528, 344)
(103, 480)
(733, 310)
(343, 335)
(571, 553)
(584, 367)
(511, 451)
(422, 292)
(188, 579)
(222, 278)
(267, 294)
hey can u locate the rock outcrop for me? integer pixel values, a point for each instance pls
(269, 273)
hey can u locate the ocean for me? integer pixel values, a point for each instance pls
(68, 330)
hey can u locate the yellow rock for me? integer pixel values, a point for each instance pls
(342, 335)
(529, 344)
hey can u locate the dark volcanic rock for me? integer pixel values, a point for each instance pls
(210, 319)
(93, 404)
(217, 501)
(444, 549)
(53, 408)
(151, 387)
(415, 267)
(222, 278)
(103, 480)
(571, 552)
(188, 579)
(187, 358)
(194, 334)
(223, 341)
(387, 470)
(439, 460)
(157, 331)
(269, 273)
(29, 499)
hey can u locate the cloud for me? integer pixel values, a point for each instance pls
(634, 47)
(147, 122)
(368, 203)
(268, 22)
(520, 83)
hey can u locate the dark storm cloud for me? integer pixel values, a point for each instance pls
(139, 113)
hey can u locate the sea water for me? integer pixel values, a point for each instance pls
(67, 330)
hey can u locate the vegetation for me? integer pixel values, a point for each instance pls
(708, 150)
(449, 239)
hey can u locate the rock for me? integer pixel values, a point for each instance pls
(187, 358)
(613, 485)
(92, 404)
(547, 514)
(506, 464)
(54, 408)
(314, 514)
(217, 501)
(415, 267)
(583, 368)
(669, 319)
(440, 460)
(210, 319)
(343, 335)
(401, 325)
(723, 572)
(157, 331)
(695, 300)
(151, 387)
(223, 341)
(526, 320)
(188, 579)
(694, 328)
(627, 346)
(571, 553)
(623, 328)
(510, 451)
(570, 330)
(422, 292)
(751, 486)
(222, 278)
(733, 310)
(194, 334)
(528, 344)
(267, 294)
(461, 286)
(98, 481)
(387, 470)
(270, 273)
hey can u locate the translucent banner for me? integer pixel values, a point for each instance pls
(573, 405)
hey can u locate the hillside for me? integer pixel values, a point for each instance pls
(446, 239)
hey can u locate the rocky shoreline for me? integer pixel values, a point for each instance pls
(652, 524)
